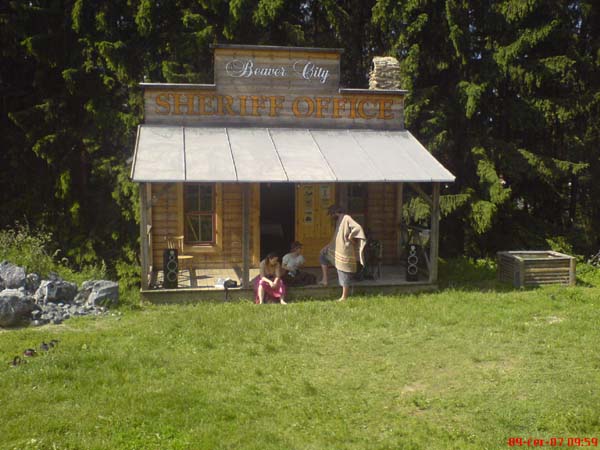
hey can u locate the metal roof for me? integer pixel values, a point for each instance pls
(243, 154)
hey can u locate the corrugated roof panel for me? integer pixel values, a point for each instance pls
(421, 156)
(300, 155)
(159, 154)
(282, 154)
(346, 158)
(208, 155)
(391, 159)
(254, 155)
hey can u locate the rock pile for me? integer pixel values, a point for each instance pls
(385, 73)
(27, 299)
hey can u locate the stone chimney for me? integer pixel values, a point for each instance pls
(385, 73)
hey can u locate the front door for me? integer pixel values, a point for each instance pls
(276, 218)
(314, 228)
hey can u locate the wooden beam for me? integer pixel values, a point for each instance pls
(149, 229)
(144, 247)
(399, 231)
(434, 236)
(246, 235)
(422, 193)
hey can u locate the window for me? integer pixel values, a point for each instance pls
(199, 213)
(357, 201)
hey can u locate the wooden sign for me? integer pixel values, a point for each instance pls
(276, 69)
(274, 87)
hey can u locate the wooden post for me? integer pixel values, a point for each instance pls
(572, 272)
(399, 205)
(521, 272)
(434, 234)
(144, 234)
(245, 235)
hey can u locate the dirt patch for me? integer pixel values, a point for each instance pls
(415, 387)
(549, 319)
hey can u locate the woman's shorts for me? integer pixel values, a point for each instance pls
(344, 278)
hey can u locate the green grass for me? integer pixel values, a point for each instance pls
(457, 369)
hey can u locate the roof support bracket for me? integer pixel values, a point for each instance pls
(422, 193)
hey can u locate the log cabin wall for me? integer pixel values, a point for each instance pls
(166, 220)
(163, 203)
(381, 218)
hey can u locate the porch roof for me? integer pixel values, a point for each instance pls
(236, 154)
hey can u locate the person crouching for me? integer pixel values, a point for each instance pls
(268, 285)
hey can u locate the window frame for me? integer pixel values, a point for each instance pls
(199, 213)
(355, 213)
(217, 222)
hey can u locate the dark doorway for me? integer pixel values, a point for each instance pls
(277, 218)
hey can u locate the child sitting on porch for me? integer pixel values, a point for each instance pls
(292, 263)
(268, 285)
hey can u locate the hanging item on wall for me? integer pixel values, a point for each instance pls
(308, 205)
(325, 196)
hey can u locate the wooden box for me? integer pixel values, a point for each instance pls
(533, 268)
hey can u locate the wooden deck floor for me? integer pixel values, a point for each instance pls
(207, 278)
(199, 284)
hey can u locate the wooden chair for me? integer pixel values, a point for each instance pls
(184, 262)
(374, 257)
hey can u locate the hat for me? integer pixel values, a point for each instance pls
(334, 209)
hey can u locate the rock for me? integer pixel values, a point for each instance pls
(53, 276)
(98, 293)
(13, 277)
(385, 73)
(32, 282)
(15, 308)
(55, 291)
(58, 299)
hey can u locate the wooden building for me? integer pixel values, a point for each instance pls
(250, 163)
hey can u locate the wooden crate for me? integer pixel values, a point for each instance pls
(524, 268)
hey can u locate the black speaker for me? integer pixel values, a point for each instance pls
(412, 263)
(170, 268)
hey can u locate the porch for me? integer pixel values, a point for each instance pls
(199, 284)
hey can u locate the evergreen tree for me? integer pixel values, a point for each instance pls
(504, 93)
(495, 92)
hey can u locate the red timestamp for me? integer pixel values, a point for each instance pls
(553, 442)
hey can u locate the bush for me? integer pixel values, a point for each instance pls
(467, 272)
(588, 274)
(33, 250)
(128, 273)
(27, 248)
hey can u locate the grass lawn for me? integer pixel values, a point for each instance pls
(465, 368)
